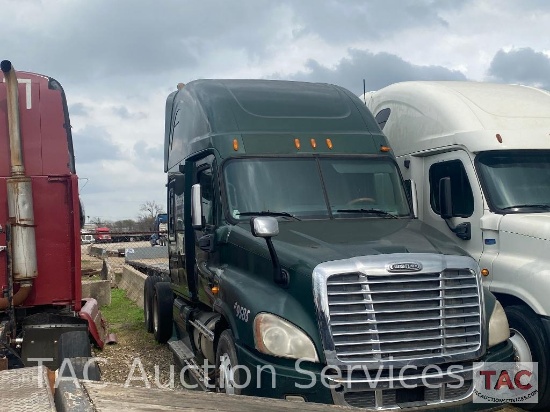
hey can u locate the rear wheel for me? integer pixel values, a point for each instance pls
(83, 368)
(74, 344)
(163, 300)
(530, 345)
(75, 355)
(148, 291)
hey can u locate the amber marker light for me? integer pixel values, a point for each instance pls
(485, 272)
(297, 143)
(499, 138)
(215, 290)
(235, 144)
(313, 143)
(329, 143)
(385, 148)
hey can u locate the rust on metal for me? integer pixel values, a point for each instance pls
(12, 91)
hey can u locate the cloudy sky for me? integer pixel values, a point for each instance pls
(119, 59)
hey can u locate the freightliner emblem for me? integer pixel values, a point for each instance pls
(405, 267)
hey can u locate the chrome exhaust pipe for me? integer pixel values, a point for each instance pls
(20, 200)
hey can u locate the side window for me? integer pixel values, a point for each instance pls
(461, 191)
(207, 191)
(382, 117)
(205, 173)
(178, 203)
(171, 207)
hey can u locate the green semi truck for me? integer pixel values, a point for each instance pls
(297, 268)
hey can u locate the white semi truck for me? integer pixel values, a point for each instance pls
(478, 159)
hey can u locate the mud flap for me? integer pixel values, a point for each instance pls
(97, 325)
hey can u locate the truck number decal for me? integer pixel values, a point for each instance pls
(27, 83)
(241, 312)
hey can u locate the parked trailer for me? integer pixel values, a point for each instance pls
(42, 314)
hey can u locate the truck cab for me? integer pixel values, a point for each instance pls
(297, 268)
(478, 155)
(160, 229)
(43, 317)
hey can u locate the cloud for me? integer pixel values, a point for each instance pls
(124, 113)
(152, 154)
(93, 144)
(524, 65)
(118, 60)
(352, 20)
(79, 109)
(378, 70)
(115, 189)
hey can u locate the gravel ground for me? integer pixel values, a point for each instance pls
(135, 355)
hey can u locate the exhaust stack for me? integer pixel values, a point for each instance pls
(20, 203)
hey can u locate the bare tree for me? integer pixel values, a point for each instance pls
(100, 222)
(149, 210)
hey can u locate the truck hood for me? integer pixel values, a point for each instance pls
(309, 243)
(535, 225)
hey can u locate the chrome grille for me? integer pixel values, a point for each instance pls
(404, 316)
(446, 392)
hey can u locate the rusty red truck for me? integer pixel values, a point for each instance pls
(43, 318)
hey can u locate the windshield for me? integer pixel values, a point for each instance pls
(516, 180)
(314, 188)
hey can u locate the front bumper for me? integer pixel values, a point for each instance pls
(312, 383)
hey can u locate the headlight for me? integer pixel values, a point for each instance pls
(499, 329)
(278, 337)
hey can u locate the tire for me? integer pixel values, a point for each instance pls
(529, 340)
(163, 300)
(226, 360)
(73, 345)
(148, 291)
(91, 372)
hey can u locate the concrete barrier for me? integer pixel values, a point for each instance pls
(100, 290)
(137, 253)
(132, 281)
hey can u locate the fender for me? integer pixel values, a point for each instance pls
(96, 323)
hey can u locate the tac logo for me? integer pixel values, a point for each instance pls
(506, 382)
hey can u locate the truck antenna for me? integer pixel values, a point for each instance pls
(364, 92)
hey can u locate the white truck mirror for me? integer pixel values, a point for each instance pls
(196, 206)
(264, 226)
(414, 199)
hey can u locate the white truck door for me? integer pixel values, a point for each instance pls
(467, 199)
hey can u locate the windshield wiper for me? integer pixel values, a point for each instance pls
(526, 206)
(374, 211)
(268, 213)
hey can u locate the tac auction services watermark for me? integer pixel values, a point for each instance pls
(506, 382)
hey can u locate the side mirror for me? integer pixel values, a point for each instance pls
(265, 226)
(414, 199)
(410, 191)
(196, 206)
(445, 198)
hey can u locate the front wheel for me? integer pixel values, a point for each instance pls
(228, 379)
(530, 345)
